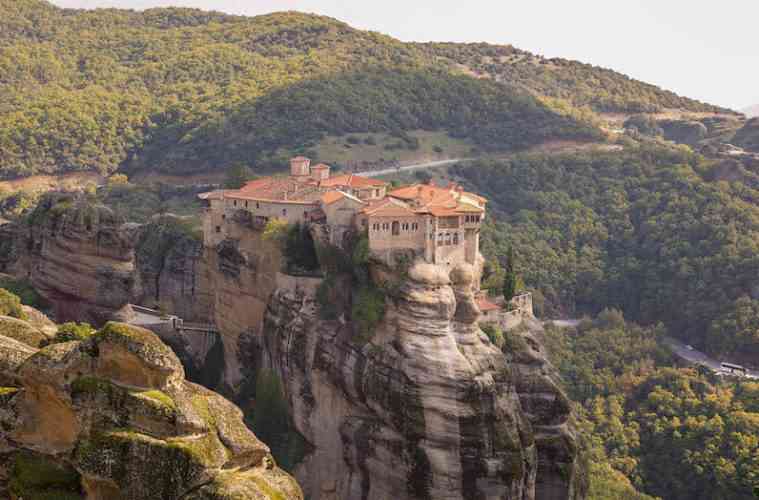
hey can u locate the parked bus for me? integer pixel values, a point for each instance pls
(734, 369)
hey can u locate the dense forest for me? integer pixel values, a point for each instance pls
(181, 90)
(644, 230)
(676, 433)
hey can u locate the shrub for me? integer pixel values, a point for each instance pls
(494, 334)
(73, 331)
(370, 141)
(275, 230)
(368, 310)
(352, 139)
(25, 292)
(10, 305)
(118, 180)
(237, 175)
(438, 149)
(324, 297)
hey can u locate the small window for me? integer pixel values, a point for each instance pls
(257, 205)
(447, 239)
(284, 211)
(234, 202)
(223, 216)
(218, 229)
(440, 239)
(455, 238)
(246, 204)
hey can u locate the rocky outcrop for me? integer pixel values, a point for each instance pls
(428, 408)
(113, 418)
(88, 264)
(748, 136)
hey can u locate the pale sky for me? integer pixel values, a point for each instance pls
(703, 49)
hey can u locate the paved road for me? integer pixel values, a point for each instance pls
(429, 164)
(562, 323)
(699, 358)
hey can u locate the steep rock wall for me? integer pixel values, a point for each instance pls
(89, 265)
(429, 408)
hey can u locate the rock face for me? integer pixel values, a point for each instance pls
(748, 136)
(89, 264)
(113, 418)
(428, 408)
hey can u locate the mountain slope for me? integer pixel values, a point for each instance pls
(182, 90)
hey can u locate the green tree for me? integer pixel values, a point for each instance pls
(510, 276)
(237, 176)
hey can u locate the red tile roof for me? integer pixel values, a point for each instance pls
(388, 207)
(278, 189)
(485, 305)
(438, 201)
(351, 180)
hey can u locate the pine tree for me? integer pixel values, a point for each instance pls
(510, 277)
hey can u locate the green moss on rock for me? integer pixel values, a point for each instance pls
(22, 331)
(159, 397)
(36, 477)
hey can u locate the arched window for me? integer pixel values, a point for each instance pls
(396, 228)
(234, 202)
(284, 211)
(447, 239)
(257, 205)
(455, 238)
(440, 239)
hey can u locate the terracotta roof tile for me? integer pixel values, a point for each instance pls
(351, 180)
(485, 305)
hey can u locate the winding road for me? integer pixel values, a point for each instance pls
(416, 166)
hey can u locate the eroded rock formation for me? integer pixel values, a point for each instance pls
(89, 264)
(113, 418)
(428, 408)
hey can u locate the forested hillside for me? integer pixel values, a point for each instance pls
(180, 90)
(645, 231)
(678, 434)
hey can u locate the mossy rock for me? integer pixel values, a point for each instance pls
(259, 483)
(13, 354)
(166, 468)
(151, 412)
(37, 477)
(135, 356)
(22, 331)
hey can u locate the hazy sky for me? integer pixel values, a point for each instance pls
(703, 49)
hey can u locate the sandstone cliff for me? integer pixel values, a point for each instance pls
(113, 418)
(429, 408)
(89, 264)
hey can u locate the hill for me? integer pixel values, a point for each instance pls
(182, 90)
(655, 231)
(751, 111)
